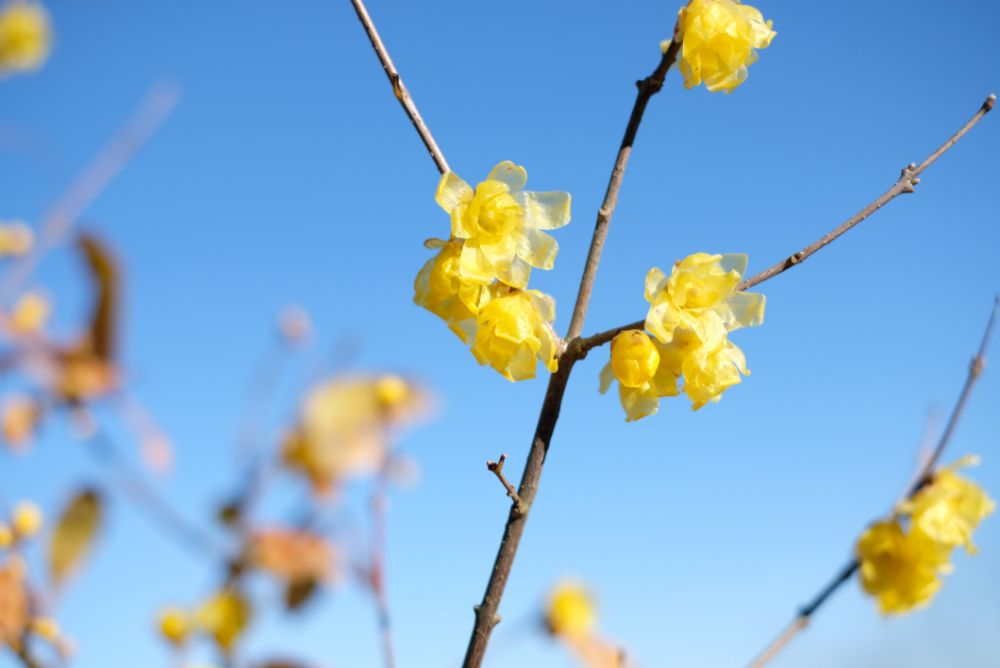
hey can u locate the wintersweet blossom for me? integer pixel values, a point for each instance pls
(707, 372)
(440, 289)
(718, 41)
(901, 569)
(570, 611)
(346, 423)
(24, 36)
(502, 224)
(700, 295)
(16, 238)
(645, 371)
(514, 331)
(950, 508)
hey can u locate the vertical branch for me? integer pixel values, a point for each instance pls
(925, 476)
(399, 88)
(486, 611)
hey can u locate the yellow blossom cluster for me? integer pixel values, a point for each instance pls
(25, 522)
(25, 36)
(718, 41)
(478, 280)
(345, 426)
(690, 315)
(222, 617)
(901, 567)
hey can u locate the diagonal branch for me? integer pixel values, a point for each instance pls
(926, 474)
(908, 179)
(399, 88)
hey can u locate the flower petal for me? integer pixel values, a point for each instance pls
(452, 191)
(545, 210)
(515, 176)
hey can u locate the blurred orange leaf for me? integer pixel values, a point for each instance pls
(13, 603)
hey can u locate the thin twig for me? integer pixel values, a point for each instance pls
(486, 611)
(399, 88)
(91, 182)
(926, 475)
(906, 183)
(497, 469)
(26, 657)
(135, 486)
(376, 571)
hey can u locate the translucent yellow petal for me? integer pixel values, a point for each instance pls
(544, 210)
(515, 176)
(452, 190)
(538, 249)
(638, 402)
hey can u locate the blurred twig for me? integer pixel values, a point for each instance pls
(377, 563)
(926, 474)
(82, 191)
(399, 88)
(134, 485)
(908, 179)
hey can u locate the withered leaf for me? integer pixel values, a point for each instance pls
(74, 534)
(298, 593)
(13, 603)
(292, 555)
(105, 276)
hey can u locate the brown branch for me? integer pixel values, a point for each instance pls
(906, 183)
(926, 475)
(486, 611)
(399, 88)
(497, 469)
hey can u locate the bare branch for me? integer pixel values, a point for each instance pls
(486, 611)
(906, 183)
(847, 572)
(399, 88)
(497, 469)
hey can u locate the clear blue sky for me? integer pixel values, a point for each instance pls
(289, 174)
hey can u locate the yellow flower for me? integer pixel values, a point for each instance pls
(24, 36)
(27, 519)
(901, 570)
(707, 373)
(46, 628)
(950, 508)
(719, 38)
(644, 370)
(514, 331)
(502, 225)
(570, 611)
(175, 625)
(16, 238)
(440, 289)
(345, 425)
(19, 416)
(700, 295)
(6, 536)
(224, 617)
(30, 313)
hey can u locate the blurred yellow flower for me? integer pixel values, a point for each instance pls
(502, 225)
(719, 38)
(570, 611)
(175, 625)
(345, 425)
(700, 295)
(6, 536)
(224, 617)
(26, 519)
(900, 569)
(16, 239)
(440, 289)
(47, 628)
(645, 372)
(30, 313)
(24, 36)
(514, 331)
(14, 606)
(950, 508)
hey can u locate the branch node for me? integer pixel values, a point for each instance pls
(978, 364)
(496, 468)
(492, 622)
(990, 101)
(908, 178)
